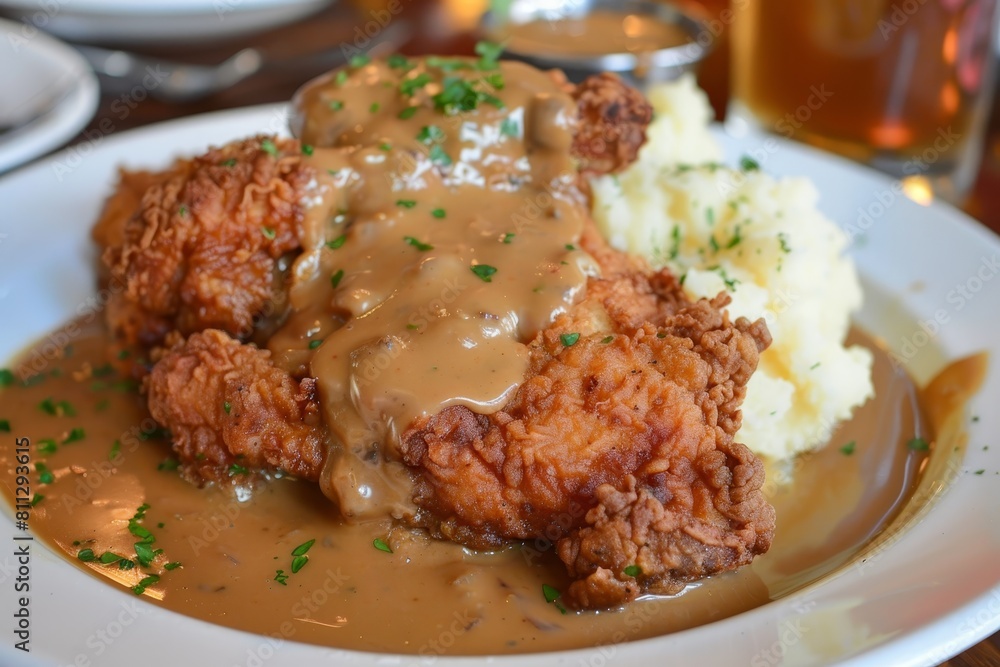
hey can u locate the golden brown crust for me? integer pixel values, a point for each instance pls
(225, 403)
(613, 118)
(619, 446)
(199, 251)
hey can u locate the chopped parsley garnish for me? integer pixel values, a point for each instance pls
(398, 61)
(918, 444)
(374, 107)
(430, 134)
(303, 548)
(568, 339)
(508, 237)
(37, 498)
(231, 162)
(849, 448)
(227, 407)
(489, 53)
(439, 157)
(570, 247)
(783, 241)
(747, 163)
(552, 596)
(123, 354)
(381, 545)
(307, 149)
(484, 271)
(458, 95)
(438, 213)
(407, 113)
(419, 245)
(268, 147)
(75, 435)
(281, 577)
(814, 366)
(50, 407)
(675, 242)
(313, 344)
(336, 278)
(359, 60)
(4, 426)
(182, 211)
(412, 85)
(335, 105)
(86, 555)
(510, 128)
(341, 78)
(6, 377)
(737, 237)
(268, 233)
(607, 339)
(47, 446)
(713, 244)
(385, 146)
(298, 563)
(237, 469)
(45, 475)
(632, 571)
(172, 565)
(980, 471)
(337, 242)
(148, 580)
(116, 449)
(108, 558)
(406, 203)
(168, 465)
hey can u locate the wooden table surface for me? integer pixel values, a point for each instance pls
(310, 47)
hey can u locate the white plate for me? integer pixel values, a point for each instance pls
(926, 597)
(36, 70)
(161, 21)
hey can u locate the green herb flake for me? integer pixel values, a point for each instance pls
(341, 78)
(172, 565)
(632, 571)
(227, 407)
(231, 162)
(336, 278)
(168, 465)
(108, 558)
(510, 128)
(430, 134)
(385, 146)
(126, 564)
(47, 446)
(568, 339)
(814, 366)
(918, 444)
(438, 213)
(281, 577)
(6, 377)
(489, 54)
(747, 163)
(713, 244)
(86, 555)
(381, 545)
(75, 435)
(374, 107)
(146, 581)
(484, 271)
(4, 426)
(237, 469)
(359, 60)
(268, 147)
(182, 211)
(413, 84)
(552, 595)
(313, 344)
(406, 203)
(783, 242)
(337, 242)
(407, 113)
(116, 450)
(849, 448)
(268, 233)
(45, 475)
(419, 245)
(398, 61)
(979, 472)
(37, 498)
(335, 105)
(508, 237)
(303, 548)
(298, 563)
(607, 339)
(439, 157)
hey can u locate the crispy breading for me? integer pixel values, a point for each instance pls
(200, 251)
(225, 403)
(612, 123)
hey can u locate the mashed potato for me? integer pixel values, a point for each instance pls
(762, 240)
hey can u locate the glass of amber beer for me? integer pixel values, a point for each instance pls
(902, 85)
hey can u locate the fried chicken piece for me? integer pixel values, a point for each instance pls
(225, 403)
(619, 446)
(612, 123)
(201, 249)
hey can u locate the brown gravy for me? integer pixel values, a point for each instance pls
(436, 597)
(594, 34)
